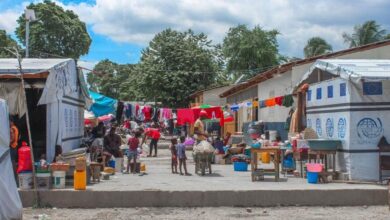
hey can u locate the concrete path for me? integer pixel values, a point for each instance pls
(161, 188)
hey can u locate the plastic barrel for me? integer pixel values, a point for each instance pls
(265, 157)
(80, 180)
(312, 177)
(25, 180)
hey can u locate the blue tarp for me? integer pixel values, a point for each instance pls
(102, 105)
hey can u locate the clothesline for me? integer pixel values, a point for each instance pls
(286, 101)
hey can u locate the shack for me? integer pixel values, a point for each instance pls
(349, 100)
(55, 97)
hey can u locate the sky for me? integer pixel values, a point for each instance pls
(120, 29)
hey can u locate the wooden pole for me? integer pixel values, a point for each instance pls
(28, 130)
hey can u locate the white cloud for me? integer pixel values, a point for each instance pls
(8, 20)
(137, 21)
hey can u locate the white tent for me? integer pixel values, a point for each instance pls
(10, 203)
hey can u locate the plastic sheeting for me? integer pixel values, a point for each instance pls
(10, 203)
(102, 105)
(13, 93)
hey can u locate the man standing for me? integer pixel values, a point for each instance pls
(199, 127)
(112, 143)
(155, 135)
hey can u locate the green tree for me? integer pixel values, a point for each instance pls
(369, 32)
(111, 79)
(387, 37)
(57, 32)
(174, 65)
(250, 49)
(316, 46)
(6, 42)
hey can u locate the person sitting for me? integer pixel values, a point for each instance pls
(99, 131)
(112, 143)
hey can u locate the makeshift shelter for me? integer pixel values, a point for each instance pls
(350, 100)
(56, 96)
(102, 105)
(10, 203)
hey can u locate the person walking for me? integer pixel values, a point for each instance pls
(155, 135)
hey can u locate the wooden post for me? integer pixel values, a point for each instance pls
(28, 130)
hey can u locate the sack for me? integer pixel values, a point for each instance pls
(145, 148)
(204, 147)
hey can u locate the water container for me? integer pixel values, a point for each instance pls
(43, 181)
(24, 158)
(143, 167)
(111, 163)
(59, 179)
(80, 180)
(265, 157)
(312, 177)
(25, 180)
(118, 164)
(240, 166)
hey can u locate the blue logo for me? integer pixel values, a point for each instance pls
(342, 127)
(329, 127)
(318, 127)
(369, 128)
(309, 123)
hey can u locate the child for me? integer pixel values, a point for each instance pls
(181, 153)
(174, 155)
(133, 152)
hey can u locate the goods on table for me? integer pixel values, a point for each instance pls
(241, 158)
(80, 180)
(203, 147)
(59, 167)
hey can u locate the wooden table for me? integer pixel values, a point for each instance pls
(254, 160)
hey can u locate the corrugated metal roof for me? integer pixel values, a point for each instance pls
(352, 69)
(29, 65)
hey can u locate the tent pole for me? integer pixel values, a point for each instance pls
(28, 130)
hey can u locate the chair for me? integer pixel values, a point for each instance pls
(384, 160)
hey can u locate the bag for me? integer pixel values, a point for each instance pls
(204, 147)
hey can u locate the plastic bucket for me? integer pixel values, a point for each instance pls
(59, 179)
(240, 166)
(118, 164)
(312, 177)
(314, 167)
(111, 163)
(265, 157)
(25, 180)
(43, 181)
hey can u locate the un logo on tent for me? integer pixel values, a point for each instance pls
(342, 127)
(318, 127)
(369, 128)
(329, 127)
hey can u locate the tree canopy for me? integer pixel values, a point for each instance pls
(250, 49)
(174, 65)
(369, 32)
(57, 32)
(7, 42)
(316, 46)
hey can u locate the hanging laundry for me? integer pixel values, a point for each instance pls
(249, 104)
(167, 113)
(136, 110)
(234, 108)
(185, 115)
(262, 104)
(279, 100)
(147, 111)
(212, 113)
(156, 114)
(270, 102)
(128, 110)
(288, 101)
(119, 112)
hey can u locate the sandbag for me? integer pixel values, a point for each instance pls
(204, 147)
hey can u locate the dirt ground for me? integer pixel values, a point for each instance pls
(301, 213)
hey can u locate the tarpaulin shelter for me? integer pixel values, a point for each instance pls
(349, 100)
(10, 203)
(56, 96)
(102, 105)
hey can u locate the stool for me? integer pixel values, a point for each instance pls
(95, 171)
(258, 174)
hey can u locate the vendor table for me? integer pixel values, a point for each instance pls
(254, 160)
(323, 155)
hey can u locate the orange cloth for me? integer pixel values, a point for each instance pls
(255, 104)
(14, 136)
(270, 102)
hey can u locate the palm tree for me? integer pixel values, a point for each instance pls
(369, 32)
(316, 46)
